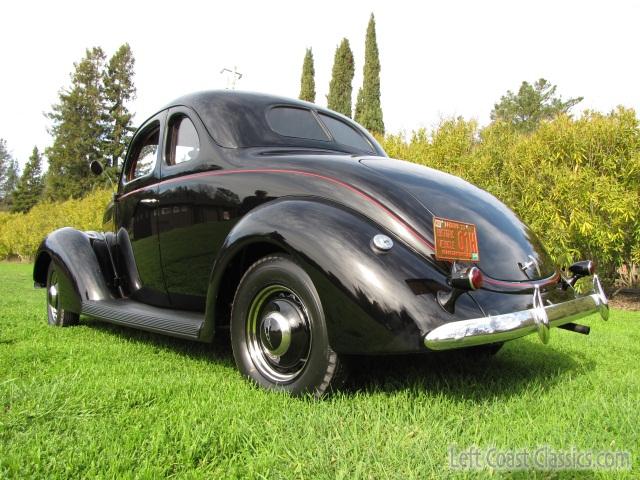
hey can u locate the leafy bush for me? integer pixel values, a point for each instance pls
(575, 182)
(21, 234)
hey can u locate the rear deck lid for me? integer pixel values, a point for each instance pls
(508, 249)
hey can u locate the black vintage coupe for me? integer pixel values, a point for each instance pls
(288, 225)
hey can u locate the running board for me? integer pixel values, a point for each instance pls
(127, 312)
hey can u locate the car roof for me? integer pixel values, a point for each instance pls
(238, 119)
(196, 99)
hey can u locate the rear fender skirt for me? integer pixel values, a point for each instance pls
(82, 278)
(369, 302)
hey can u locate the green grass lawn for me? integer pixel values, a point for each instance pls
(103, 401)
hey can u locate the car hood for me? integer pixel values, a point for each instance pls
(505, 242)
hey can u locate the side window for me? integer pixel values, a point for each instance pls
(144, 153)
(345, 134)
(182, 142)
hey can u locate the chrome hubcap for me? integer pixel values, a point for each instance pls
(278, 333)
(52, 296)
(275, 334)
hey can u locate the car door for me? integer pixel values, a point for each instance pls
(138, 215)
(194, 209)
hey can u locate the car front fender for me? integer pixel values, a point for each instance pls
(81, 277)
(373, 301)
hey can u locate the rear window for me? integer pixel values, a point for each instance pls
(295, 122)
(346, 135)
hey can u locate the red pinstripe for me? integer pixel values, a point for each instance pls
(349, 187)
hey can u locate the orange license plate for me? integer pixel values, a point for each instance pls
(455, 240)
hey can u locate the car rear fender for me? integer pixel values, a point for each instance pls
(368, 299)
(81, 275)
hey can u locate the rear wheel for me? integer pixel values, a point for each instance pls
(278, 332)
(57, 315)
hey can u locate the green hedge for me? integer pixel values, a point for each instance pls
(575, 182)
(21, 234)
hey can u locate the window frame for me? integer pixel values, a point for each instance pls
(170, 138)
(133, 150)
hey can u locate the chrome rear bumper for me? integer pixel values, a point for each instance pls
(500, 328)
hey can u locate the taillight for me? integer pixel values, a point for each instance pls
(460, 282)
(476, 278)
(578, 270)
(469, 279)
(583, 268)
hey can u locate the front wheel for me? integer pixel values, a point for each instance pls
(278, 332)
(57, 315)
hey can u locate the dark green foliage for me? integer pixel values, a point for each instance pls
(5, 161)
(307, 81)
(90, 122)
(339, 98)
(5, 156)
(118, 91)
(368, 109)
(531, 105)
(29, 189)
(78, 130)
(10, 182)
(8, 175)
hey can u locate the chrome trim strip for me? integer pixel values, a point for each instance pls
(509, 326)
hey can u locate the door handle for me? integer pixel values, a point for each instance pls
(149, 201)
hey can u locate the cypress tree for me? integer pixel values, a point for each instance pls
(29, 189)
(307, 81)
(339, 98)
(118, 91)
(79, 127)
(368, 110)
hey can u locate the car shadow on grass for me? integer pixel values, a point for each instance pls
(520, 365)
(219, 352)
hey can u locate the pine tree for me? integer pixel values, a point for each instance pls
(5, 159)
(368, 109)
(79, 127)
(533, 104)
(118, 91)
(30, 186)
(8, 175)
(339, 98)
(11, 181)
(307, 81)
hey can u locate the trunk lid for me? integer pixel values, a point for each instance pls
(508, 249)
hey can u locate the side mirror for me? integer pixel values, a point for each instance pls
(96, 167)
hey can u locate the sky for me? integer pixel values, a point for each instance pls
(439, 59)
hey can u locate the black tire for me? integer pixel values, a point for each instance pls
(56, 315)
(278, 331)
